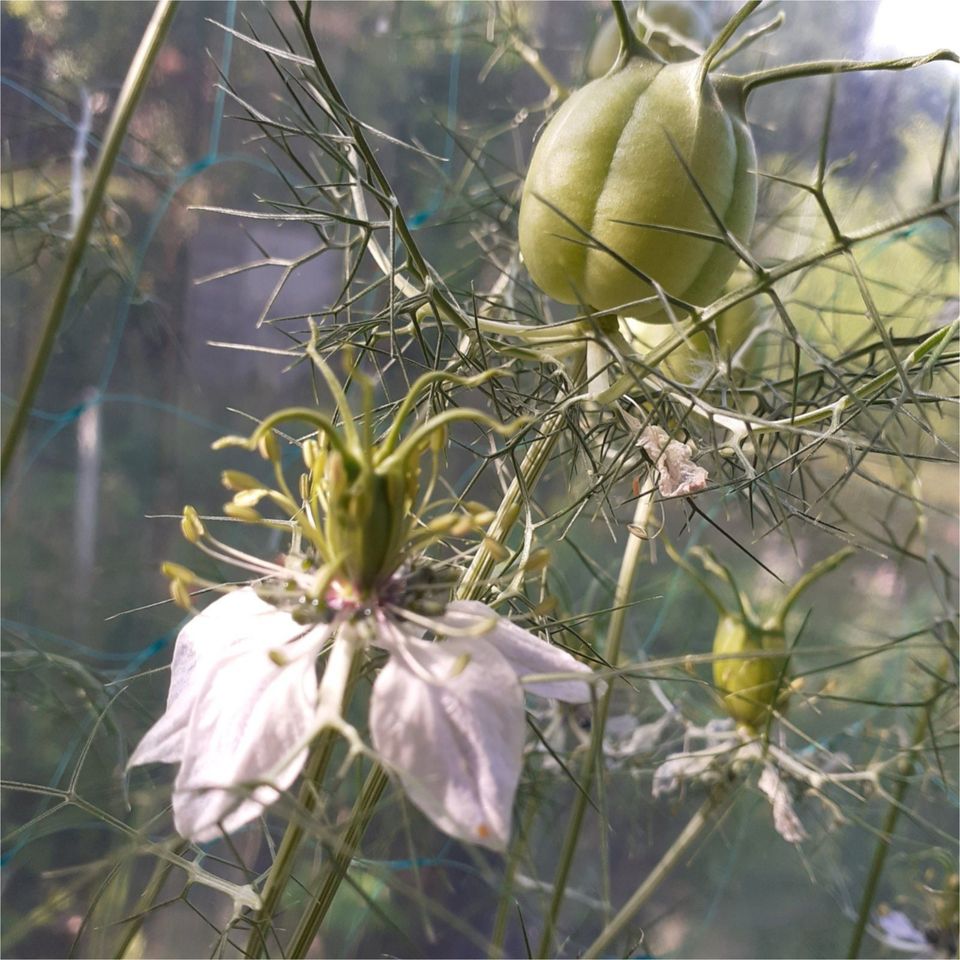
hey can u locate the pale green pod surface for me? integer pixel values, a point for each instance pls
(568, 169)
(740, 213)
(607, 157)
(749, 685)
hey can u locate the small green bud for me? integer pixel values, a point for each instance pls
(311, 453)
(250, 498)
(545, 607)
(438, 440)
(496, 549)
(444, 524)
(463, 526)
(230, 441)
(510, 516)
(180, 594)
(537, 560)
(459, 665)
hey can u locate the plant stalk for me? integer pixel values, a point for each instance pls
(886, 834)
(339, 863)
(656, 876)
(283, 863)
(133, 86)
(621, 597)
(816, 68)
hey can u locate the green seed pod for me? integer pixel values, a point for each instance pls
(750, 686)
(607, 167)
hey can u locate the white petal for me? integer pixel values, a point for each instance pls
(253, 721)
(226, 624)
(526, 653)
(448, 718)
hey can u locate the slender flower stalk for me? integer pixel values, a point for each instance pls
(678, 849)
(621, 598)
(133, 86)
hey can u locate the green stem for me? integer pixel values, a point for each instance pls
(147, 899)
(283, 863)
(816, 68)
(723, 38)
(339, 863)
(621, 598)
(418, 263)
(747, 39)
(886, 833)
(133, 86)
(813, 574)
(531, 467)
(630, 45)
(656, 876)
(507, 899)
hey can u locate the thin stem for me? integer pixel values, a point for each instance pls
(283, 863)
(310, 792)
(133, 86)
(630, 45)
(147, 899)
(887, 831)
(532, 466)
(723, 37)
(656, 876)
(747, 39)
(417, 261)
(507, 898)
(621, 597)
(814, 573)
(360, 818)
(816, 68)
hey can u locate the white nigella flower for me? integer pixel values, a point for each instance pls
(446, 717)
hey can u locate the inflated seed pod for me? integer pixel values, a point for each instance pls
(749, 669)
(749, 686)
(607, 172)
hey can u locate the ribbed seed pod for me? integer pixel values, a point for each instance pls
(750, 686)
(607, 167)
